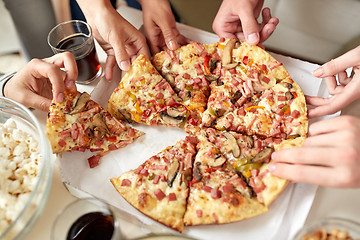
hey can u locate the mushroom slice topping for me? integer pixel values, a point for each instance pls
(173, 116)
(231, 65)
(98, 126)
(237, 44)
(197, 172)
(287, 85)
(218, 161)
(212, 77)
(212, 64)
(186, 176)
(124, 115)
(219, 82)
(235, 97)
(263, 156)
(289, 95)
(80, 103)
(248, 191)
(174, 167)
(249, 141)
(246, 140)
(232, 143)
(226, 57)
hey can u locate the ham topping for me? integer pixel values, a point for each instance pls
(156, 179)
(274, 64)
(94, 160)
(215, 193)
(295, 114)
(125, 183)
(159, 194)
(172, 197)
(62, 143)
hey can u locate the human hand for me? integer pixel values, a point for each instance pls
(121, 41)
(238, 19)
(41, 80)
(330, 156)
(160, 26)
(344, 90)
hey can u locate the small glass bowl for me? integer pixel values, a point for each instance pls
(329, 224)
(36, 202)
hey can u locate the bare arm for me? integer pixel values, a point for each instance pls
(121, 41)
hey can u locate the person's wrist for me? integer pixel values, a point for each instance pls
(4, 80)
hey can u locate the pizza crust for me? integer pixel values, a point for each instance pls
(169, 213)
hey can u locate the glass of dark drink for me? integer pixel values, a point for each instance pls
(86, 219)
(75, 36)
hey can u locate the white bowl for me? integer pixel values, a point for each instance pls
(329, 224)
(34, 205)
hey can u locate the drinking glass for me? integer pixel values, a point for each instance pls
(86, 218)
(75, 36)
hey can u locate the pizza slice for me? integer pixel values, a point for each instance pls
(218, 192)
(270, 186)
(79, 123)
(243, 71)
(144, 96)
(277, 112)
(185, 69)
(159, 187)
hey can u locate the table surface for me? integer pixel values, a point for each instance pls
(328, 202)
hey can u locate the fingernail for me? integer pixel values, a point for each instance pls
(272, 167)
(172, 45)
(252, 38)
(70, 85)
(318, 72)
(59, 97)
(125, 65)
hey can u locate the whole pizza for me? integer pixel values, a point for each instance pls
(236, 103)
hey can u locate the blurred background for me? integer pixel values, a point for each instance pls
(311, 30)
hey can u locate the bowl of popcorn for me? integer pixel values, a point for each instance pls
(26, 167)
(333, 228)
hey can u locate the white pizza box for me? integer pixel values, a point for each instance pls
(287, 213)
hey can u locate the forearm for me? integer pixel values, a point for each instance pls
(153, 3)
(92, 7)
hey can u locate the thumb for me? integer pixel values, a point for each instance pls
(122, 57)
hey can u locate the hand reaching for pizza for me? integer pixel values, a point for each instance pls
(121, 41)
(330, 156)
(160, 27)
(344, 89)
(238, 19)
(41, 80)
